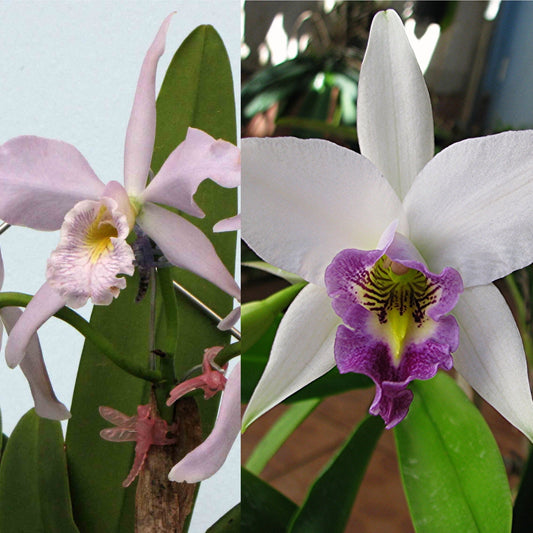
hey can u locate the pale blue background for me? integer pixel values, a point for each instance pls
(68, 70)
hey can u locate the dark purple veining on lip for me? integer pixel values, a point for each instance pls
(362, 296)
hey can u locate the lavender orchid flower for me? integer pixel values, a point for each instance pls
(46, 403)
(371, 233)
(47, 185)
(205, 460)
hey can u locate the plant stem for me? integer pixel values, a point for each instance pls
(17, 299)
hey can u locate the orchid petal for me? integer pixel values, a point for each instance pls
(42, 306)
(466, 208)
(206, 459)
(140, 134)
(185, 246)
(317, 198)
(394, 118)
(491, 355)
(228, 224)
(46, 403)
(41, 180)
(302, 351)
(197, 158)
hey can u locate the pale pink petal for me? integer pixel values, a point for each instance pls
(230, 320)
(140, 134)
(228, 224)
(206, 459)
(41, 180)
(42, 306)
(197, 158)
(46, 403)
(91, 254)
(185, 246)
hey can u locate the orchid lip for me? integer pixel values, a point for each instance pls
(396, 326)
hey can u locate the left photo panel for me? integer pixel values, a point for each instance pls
(120, 172)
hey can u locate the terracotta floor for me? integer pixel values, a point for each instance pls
(380, 505)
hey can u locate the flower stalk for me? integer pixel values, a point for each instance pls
(17, 299)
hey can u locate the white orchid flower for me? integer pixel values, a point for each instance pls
(369, 232)
(46, 403)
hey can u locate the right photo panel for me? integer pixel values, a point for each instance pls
(387, 226)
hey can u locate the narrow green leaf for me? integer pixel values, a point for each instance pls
(204, 99)
(522, 515)
(451, 467)
(97, 467)
(263, 507)
(229, 523)
(258, 316)
(34, 492)
(279, 433)
(329, 501)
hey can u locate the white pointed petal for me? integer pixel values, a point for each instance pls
(469, 207)
(42, 306)
(185, 246)
(46, 403)
(302, 351)
(394, 118)
(491, 356)
(206, 459)
(140, 134)
(306, 200)
(41, 180)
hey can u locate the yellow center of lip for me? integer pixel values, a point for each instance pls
(398, 297)
(99, 234)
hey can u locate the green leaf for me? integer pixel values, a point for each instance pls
(263, 507)
(451, 467)
(281, 430)
(229, 523)
(204, 99)
(97, 467)
(34, 492)
(258, 316)
(522, 515)
(330, 500)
